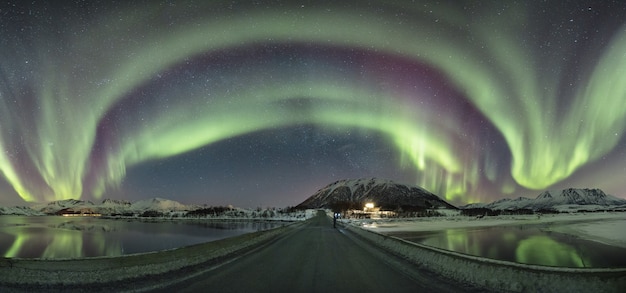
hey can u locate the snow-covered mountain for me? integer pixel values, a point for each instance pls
(106, 207)
(114, 207)
(570, 199)
(502, 204)
(55, 206)
(158, 204)
(115, 203)
(384, 193)
(156, 207)
(20, 211)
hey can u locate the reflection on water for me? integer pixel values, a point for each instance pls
(62, 237)
(546, 251)
(530, 245)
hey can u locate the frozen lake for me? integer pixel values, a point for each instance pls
(73, 237)
(529, 244)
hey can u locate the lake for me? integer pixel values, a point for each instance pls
(54, 237)
(532, 244)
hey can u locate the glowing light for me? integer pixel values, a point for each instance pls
(59, 243)
(545, 251)
(95, 114)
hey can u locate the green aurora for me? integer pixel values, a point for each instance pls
(85, 98)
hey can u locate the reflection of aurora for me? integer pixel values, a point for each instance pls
(147, 83)
(51, 243)
(58, 237)
(543, 250)
(524, 245)
(496, 244)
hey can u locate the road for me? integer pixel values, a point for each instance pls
(316, 258)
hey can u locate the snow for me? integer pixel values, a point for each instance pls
(158, 204)
(354, 184)
(605, 227)
(164, 208)
(608, 231)
(19, 211)
(382, 192)
(115, 202)
(570, 199)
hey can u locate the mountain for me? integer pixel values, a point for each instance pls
(20, 211)
(570, 199)
(55, 206)
(383, 193)
(155, 207)
(114, 207)
(503, 204)
(106, 207)
(115, 203)
(158, 204)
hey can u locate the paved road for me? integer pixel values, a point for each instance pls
(315, 258)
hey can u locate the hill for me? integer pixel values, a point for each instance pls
(354, 193)
(571, 199)
(106, 207)
(153, 207)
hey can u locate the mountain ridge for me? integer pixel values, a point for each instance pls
(384, 193)
(569, 199)
(107, 206)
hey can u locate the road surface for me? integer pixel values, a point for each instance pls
(316, 258)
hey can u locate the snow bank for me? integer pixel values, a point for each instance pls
(499, 275)
(609, 232)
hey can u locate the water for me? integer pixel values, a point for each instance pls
(524, 244)
(55, 237)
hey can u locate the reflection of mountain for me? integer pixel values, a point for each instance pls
(570, 199)
(80, 226)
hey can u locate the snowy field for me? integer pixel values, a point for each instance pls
(605, 227)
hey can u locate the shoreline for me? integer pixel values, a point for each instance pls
(591, 226)
(497, 275)
(101, 274)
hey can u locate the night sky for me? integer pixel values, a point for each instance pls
(262, 103)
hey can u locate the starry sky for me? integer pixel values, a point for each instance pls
(261, 103)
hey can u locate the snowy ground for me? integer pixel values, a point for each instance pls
(606, 227)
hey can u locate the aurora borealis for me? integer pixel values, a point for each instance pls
(262, 103)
